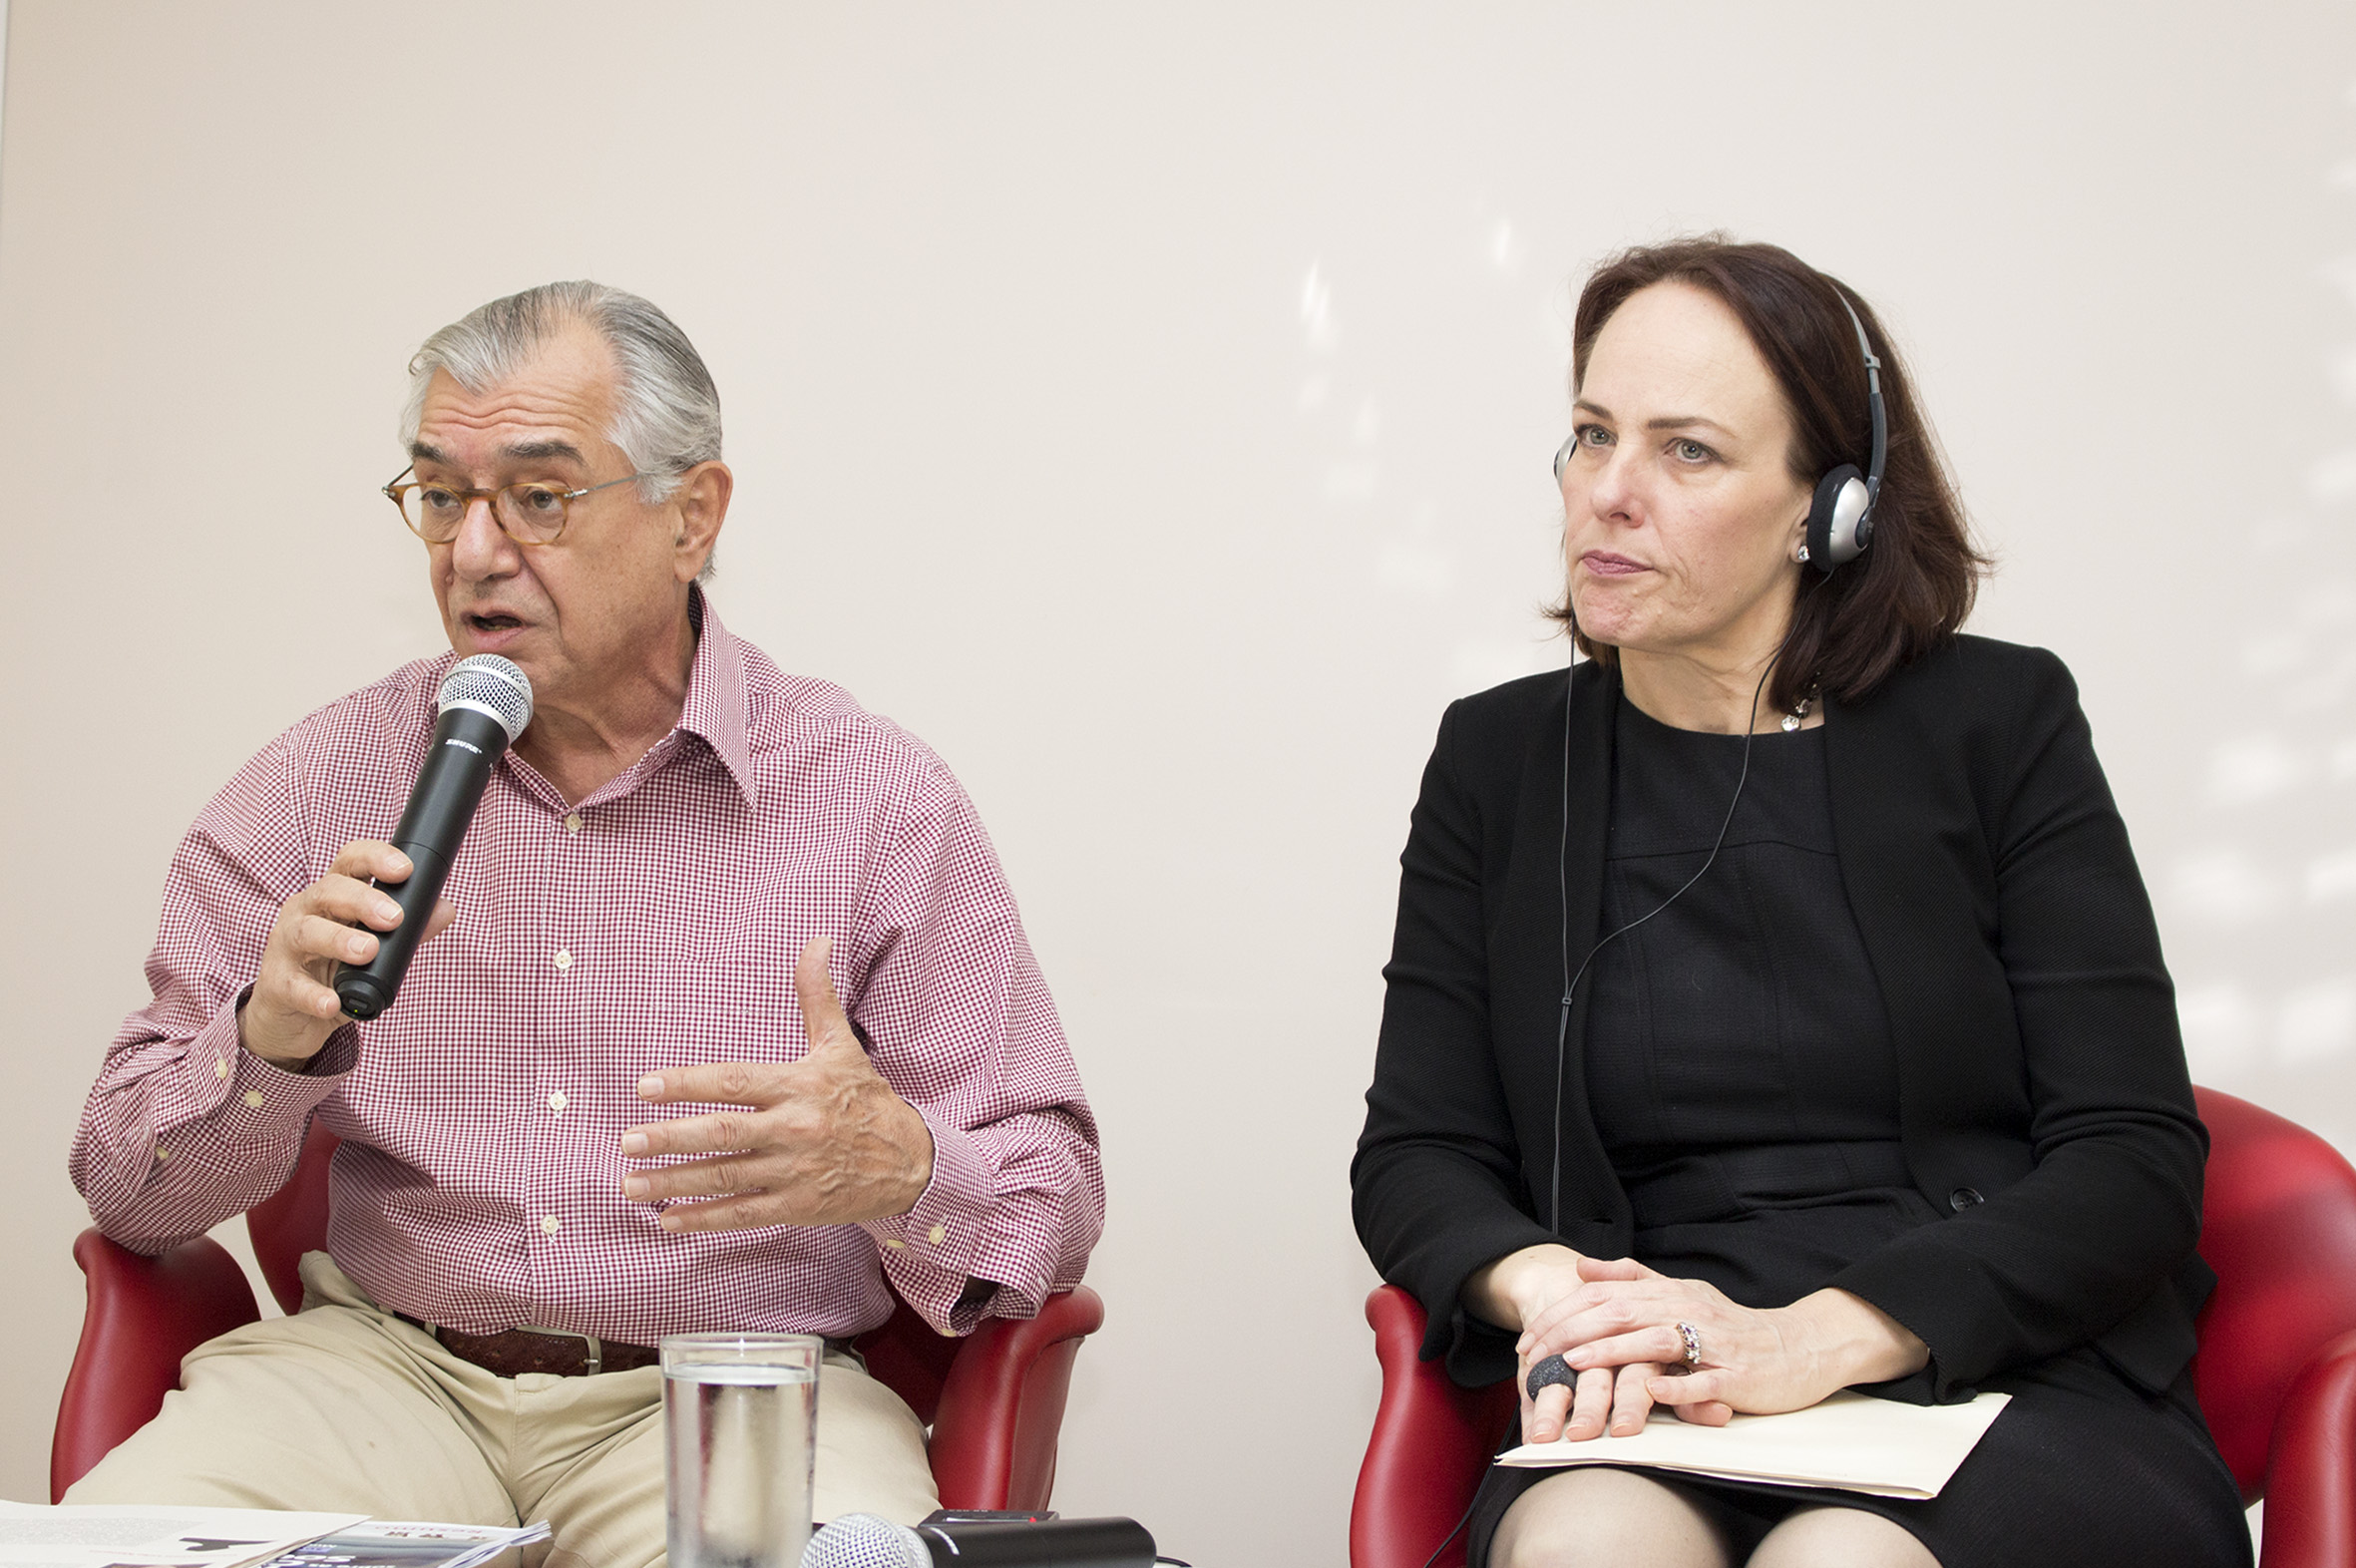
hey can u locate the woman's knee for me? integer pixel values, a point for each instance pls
(1840, 1538)
(1606, 1518)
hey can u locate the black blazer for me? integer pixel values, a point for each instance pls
(2043, 1094)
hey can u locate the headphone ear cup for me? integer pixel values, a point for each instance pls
(1839, 505)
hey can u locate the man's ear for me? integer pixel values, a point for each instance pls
(702, 502)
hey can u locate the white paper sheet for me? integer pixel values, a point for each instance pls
(393, 1543)
(1851, 1441)
(124, 1537)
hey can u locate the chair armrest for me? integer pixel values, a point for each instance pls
(994, 1436)
(2311, 1468)
(141, 1316)
(1432, 1442)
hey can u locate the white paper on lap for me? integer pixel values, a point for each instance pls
(1851, 1441)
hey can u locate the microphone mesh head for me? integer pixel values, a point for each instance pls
(861, 1540)
(490, 684)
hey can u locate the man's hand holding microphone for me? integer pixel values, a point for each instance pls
(294, 1008)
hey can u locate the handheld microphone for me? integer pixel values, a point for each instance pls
(486, 702)
(861, 1540)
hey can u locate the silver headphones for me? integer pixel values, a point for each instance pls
(1840, 520)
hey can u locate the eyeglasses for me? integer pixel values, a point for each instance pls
(529, 513)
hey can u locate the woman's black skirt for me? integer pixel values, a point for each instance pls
(2082, 1467)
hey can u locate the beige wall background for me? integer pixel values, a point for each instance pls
(1151, 407)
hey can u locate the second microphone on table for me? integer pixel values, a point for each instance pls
(862, 1540)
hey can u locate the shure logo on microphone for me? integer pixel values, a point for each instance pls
(454, 742)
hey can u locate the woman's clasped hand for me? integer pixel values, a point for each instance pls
(1621, 1329)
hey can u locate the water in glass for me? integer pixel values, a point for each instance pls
(740, 1464)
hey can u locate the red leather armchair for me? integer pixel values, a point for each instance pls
(995, 1399)
(2276, 1368)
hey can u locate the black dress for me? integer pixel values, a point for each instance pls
(1740, 1074)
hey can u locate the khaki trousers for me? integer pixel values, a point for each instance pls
(345, 1408)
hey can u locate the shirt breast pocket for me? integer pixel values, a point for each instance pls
(728, 1010)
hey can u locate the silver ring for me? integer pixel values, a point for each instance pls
(1693, 1345)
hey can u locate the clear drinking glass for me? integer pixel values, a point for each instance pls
(740, 1419)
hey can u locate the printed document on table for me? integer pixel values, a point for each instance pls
(389, 1543)
(1852, 1441)
(109, 1535)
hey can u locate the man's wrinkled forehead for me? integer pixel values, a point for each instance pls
(553, 407)
(536, 451)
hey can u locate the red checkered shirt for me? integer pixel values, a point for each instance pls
(653, 924)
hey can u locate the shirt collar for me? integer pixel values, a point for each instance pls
(718, 709)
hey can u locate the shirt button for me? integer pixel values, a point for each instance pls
(162, 1154)
(935, 1233)
(254, 1099)
(221, 1066)
(564, 959)
(1963, 1198)
(550, 1224)
(557, 1101)
(894, 1242)
(572, 823)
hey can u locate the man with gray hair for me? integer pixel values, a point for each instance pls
(677, 870)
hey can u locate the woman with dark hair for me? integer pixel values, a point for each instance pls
(1775, 1007)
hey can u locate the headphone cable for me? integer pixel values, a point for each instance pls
(1562, 877)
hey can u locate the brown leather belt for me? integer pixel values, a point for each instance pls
(559, 1352)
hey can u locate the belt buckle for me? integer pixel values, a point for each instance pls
(596, 1346)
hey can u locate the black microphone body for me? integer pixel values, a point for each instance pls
(467, 745)
(862, 1540)
(1051, 1543)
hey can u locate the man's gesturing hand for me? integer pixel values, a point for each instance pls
(820, 1141)
(290, 1012)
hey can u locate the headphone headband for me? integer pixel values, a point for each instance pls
(1882, 429)
(1841, 517)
